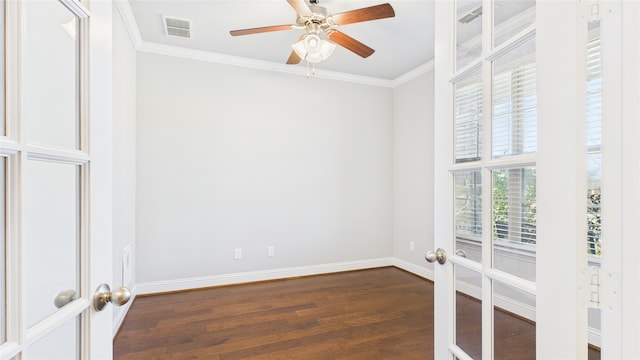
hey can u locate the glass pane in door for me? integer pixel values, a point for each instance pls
(51, 239)
(468, 311)
(60, 344)
(468, 214)
(50, 80)
(468, 118)
(594, 139)
(594, 223)
(594, 171)
(514, 221)
(468, 32)
(514, 103)
(514, 326)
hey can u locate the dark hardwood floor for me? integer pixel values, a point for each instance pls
(383, 313)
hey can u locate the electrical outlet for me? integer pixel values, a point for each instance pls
(412, 245)
(271, 250)
(238, 254)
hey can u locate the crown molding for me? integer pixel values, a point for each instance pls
(126, 13)
(419, 71)
(129, 20)
(192, 54)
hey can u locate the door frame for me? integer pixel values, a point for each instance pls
(630, 112)
(99, 325)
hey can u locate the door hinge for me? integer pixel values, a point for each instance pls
(599, 288)
(590, 10)
(594, 10)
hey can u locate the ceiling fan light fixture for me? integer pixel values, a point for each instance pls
(312, 43)
(313, 49)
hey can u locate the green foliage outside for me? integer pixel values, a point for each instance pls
(527, 212)
(594, 222)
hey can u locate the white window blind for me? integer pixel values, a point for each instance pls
(468, 119)
(594, 94)
(468, 204)
(593, 141)
(514, 117)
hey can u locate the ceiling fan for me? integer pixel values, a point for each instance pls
(320, 24)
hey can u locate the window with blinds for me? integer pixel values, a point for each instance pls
(468, 205)
(513, 133)
(514, 205)
(594, 94)
(468, 118)
(514, 117)
(594, 139)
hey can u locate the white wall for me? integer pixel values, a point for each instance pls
(229, 157)
(124, 160)
(413, 171)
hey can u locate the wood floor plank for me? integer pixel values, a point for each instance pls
(382, 313)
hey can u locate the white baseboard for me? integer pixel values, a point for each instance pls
(274, 274)
(413, 268)
(253, 276)
(122, 312)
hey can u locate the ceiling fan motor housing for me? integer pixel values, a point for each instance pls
(319, 19)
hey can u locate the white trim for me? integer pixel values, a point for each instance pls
(414, 269)
(69, 311)
(161, 49)
(122, 312)
(253, 276)
(10, 349)
(76, 157)
(76, 7)
(412, 74)
(129, 20)
(459, 353)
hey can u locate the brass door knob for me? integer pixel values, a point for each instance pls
(104, 295)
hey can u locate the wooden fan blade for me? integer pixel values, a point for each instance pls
(260, 30)
(293, 58)
(300, 7)
(349, 43)
(365, 14)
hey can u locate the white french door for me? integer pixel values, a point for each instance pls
(519, 212)
(55, 171)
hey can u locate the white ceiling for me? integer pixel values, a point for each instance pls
(402, 43)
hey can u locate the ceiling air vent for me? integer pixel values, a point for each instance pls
(177, 27)
(472, 15)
